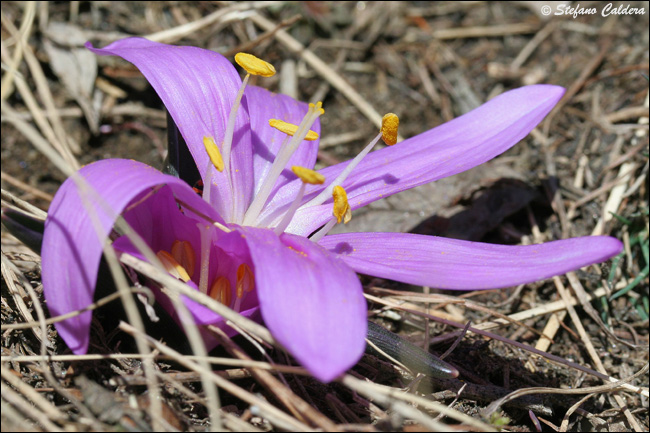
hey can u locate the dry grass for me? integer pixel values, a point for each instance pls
(565, 354)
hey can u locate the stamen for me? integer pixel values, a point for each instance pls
(207, 183)
(206, 244)
(172, 266)
(245, 284)
(323, 231)
(245, 280)
(341, 206)
(221, 291)
(290, 129)
(183, 253)
(213, 152)
(230, 127)
(308, 177)
(341, 211)
(280, 162)
(389, 125)
(254, 65)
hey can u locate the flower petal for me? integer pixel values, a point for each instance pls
(221, 264)
(461, 265)
(202, 315)
(448, 149)
(198, 88)
(264, 105)
(71, 246)
(159, 221)
(311, 301)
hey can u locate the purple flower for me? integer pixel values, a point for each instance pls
(261, 256)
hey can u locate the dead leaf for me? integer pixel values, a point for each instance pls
(75, 66)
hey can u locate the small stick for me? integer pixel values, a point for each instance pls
(484, 31)
(289, 399)
(15, 399)
(532, 45)
(592, 351)
(526, 347)
(175, 33)
(25, 187)
(274, 415)
(627, 113)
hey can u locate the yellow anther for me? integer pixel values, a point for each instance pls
(183, 253)
(213, 153)
(245, 280)
(221, 291)
(341, 206)
(172, 266)
(254, 65)
(290, 129)
(389, 124)
(317, 106)
(308, 176)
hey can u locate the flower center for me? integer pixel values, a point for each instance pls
(181, 264)
(388, 133)
(281, 219)
(282, 158)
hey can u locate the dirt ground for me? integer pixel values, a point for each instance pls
(583, 171)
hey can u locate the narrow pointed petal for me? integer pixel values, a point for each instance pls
(72, 247)
(311, 301)
(461, 265)
(448, 149)
(263, 106)
(198, 88)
